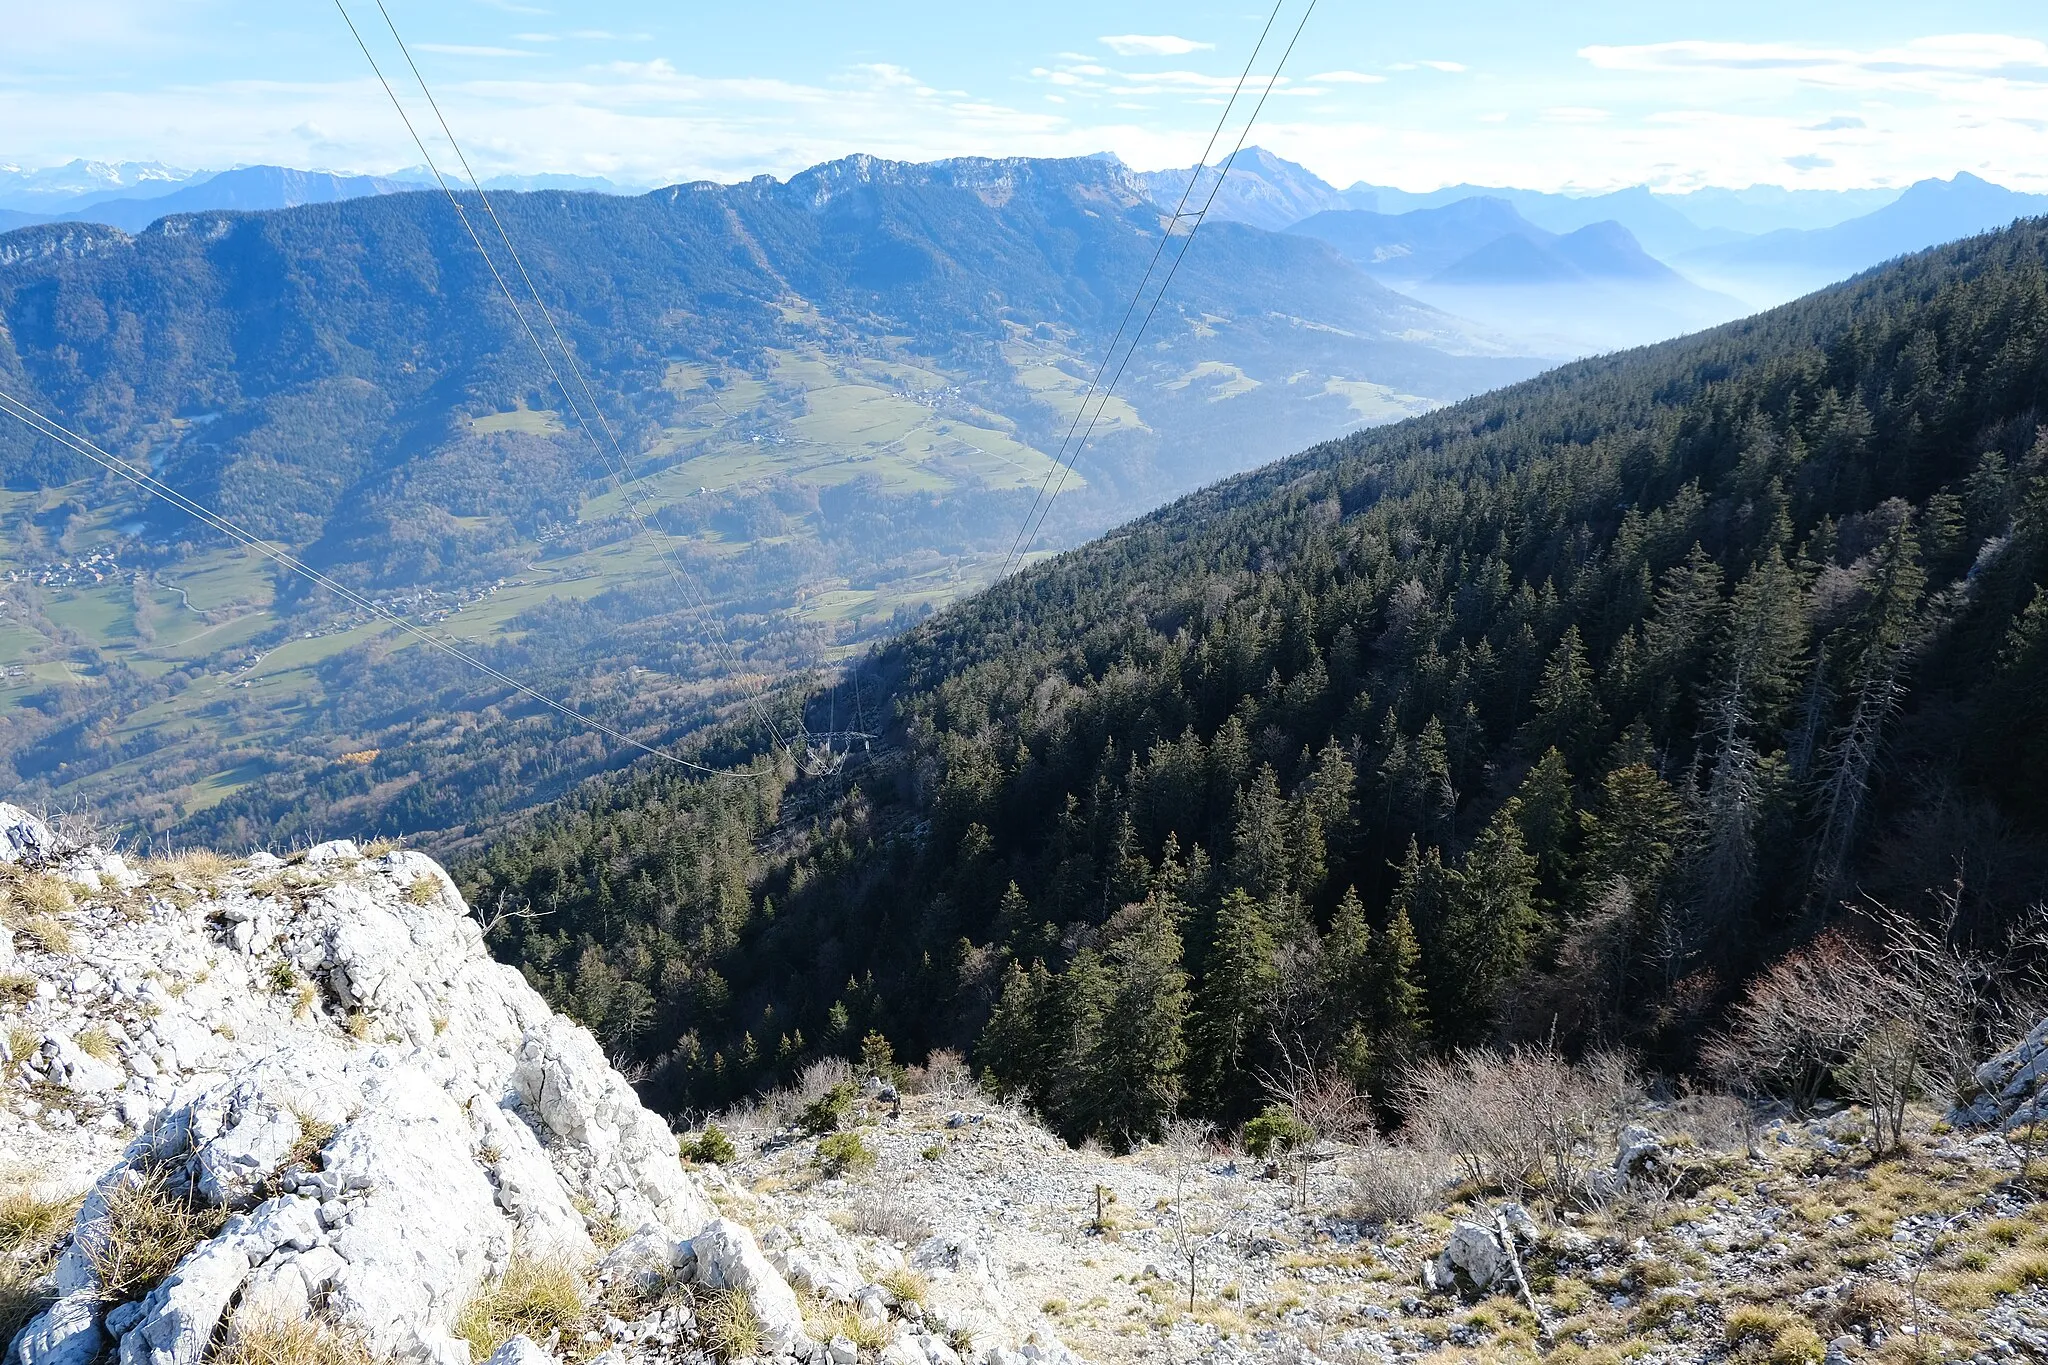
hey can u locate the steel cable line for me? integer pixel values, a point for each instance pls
(1179, 209)
(149, 483)
(699, 602)
(1179, 257)
(622, 469)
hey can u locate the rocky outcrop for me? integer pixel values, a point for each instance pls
(324, 1051)
(2011, 1088)
(365, 1119)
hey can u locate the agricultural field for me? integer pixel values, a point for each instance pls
(221, 684)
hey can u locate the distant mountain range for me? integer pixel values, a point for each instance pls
(1272, 192)
(131, 195)
(56, 189)
(1590, 289)
(842, 392)
(1787, 263)
(1728, 250)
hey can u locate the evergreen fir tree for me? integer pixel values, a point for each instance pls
(1489, 924)
(1545, 812)
(1568, 715)
(1231, 1003)
(1259, 861)
(1633, 832)
(1134, 1068)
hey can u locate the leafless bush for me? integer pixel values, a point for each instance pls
(757, 1117)
(1799, 1021)
(944, 1074)
(1717, 1120)
(1324, 1101)
(1393, 1183)
(879, 1210)
(1519, 1120)
(820, 1076)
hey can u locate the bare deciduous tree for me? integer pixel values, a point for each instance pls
(1323, 1099)
(1906, 1013)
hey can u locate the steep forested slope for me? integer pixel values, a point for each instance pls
(1556, 713)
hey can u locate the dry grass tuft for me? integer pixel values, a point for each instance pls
(536, 1296)
(422, 890)
(307, 1150)
(96, 1042)
(48, 933)
(827, 1320)
(907, 1285)
(25, 895)
(200, 867)
(1771, 1336)
(32, 1227)
(148, 1228)
(21, 1039)
(732, 1329)
(31, 1223)
(280, 1341)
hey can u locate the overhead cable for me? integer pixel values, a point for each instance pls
(614, 461)
(1063, 463)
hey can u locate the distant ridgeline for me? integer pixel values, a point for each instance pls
(841, 392)
(1559, 712)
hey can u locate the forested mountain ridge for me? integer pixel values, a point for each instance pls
(1556, 713)
(838, 392)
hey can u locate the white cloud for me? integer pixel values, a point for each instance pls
(1445, 66)
(466, 50)
(1348, 78)
(1922, 64)
(1152, 45)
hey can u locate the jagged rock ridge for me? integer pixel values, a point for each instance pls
(372, 1119)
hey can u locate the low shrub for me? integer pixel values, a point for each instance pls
(845, 1154)
(1276, 1132)
(1392, 1184)
(711, 1147)
(828, 1112)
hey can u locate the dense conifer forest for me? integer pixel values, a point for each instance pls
(1557, 714)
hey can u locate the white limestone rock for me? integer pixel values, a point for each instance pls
(520, 1350)
(25, 839)
(1473, 1258)
(68, 1332)
(2010, 1086)
(727, 1258)
(388, 1135)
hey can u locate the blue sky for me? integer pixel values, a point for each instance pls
(1551, 96)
